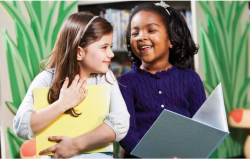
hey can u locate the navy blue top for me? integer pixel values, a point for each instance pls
(147, 94)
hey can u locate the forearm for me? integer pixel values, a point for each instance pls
(42, 118)
(101, 135)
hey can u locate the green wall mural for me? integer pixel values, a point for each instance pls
(34, 41)
(224, 46)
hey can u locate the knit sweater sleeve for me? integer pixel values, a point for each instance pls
(131, 139)
(197, 94)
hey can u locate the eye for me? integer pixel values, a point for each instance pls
(105, 47)
(151, 31)
(111, 46)
(134, 34)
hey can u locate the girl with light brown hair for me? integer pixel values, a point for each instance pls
(81, 56)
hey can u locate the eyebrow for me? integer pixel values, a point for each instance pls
(106, 44)
(136, 27)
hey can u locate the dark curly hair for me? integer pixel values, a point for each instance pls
(177, 30)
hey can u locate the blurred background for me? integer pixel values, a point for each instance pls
(221, 28)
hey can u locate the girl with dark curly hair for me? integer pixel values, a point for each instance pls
(161, 49)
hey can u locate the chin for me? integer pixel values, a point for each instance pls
(147, 60)
(103, 70)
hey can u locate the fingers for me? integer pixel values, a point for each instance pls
(56, 138)
(84, 95)
(65, 83)
(79, 84)
(51, 149)
(75, 81)
(82, 87)
(55, 156)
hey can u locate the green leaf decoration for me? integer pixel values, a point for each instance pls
(34, 42)
(15, 144)
(224, 48)
(13, 107)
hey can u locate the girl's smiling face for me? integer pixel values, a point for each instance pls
(96, 57)
(148, 39)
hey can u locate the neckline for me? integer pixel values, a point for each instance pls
(157, 74)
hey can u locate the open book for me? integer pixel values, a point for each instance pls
(94, 109)
(174, 135)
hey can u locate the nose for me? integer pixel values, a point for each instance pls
(110, 54)
(142, 38)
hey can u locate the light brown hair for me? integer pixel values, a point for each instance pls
(63, 57)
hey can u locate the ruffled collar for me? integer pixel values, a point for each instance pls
(157, 74)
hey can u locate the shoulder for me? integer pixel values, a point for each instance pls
(190, 74)
(109, 77)
(193, 79)
(127, 76)
(44, 78)
(47, 73)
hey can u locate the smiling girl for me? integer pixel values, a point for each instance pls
(81, 56)
(161, 49)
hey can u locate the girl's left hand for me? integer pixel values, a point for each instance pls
(64, 149)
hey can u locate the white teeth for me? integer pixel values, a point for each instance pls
(145, 47)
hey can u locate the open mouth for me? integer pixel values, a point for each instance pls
(145, 48)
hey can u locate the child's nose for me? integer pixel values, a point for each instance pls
(111, 54)
(142, 38)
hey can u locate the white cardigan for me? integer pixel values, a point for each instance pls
(117, 119)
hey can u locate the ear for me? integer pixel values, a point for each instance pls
(80, 53)
(169, 43)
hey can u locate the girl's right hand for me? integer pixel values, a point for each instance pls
(72, 95)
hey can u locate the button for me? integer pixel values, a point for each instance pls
(160, 92)
(162, 106)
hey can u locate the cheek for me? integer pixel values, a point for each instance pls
(93, 58)
(99, 57)
(157, 39)
(159, 42)
(133, 44)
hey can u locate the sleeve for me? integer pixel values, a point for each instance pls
(132, 138)
(197, 95)
(21, 122)
(118, 118)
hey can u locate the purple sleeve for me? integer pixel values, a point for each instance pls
(131, 139)
(197, 95)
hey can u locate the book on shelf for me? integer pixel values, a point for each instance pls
(119, 20)
(187, 14)
(120, 69)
